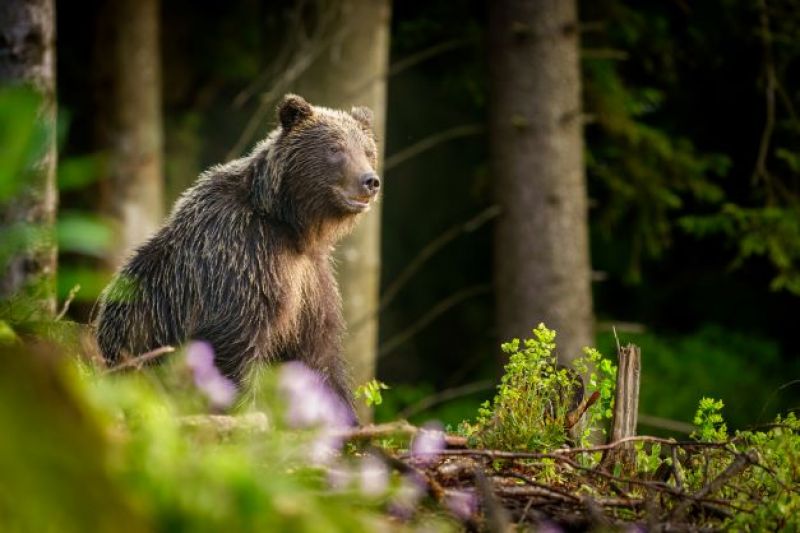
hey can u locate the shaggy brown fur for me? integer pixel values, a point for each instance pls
(244, 260)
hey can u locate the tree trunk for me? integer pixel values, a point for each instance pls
(352, 71)
(542, 271)
(128, 121)
(27, 58)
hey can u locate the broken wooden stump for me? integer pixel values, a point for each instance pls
(626, 408)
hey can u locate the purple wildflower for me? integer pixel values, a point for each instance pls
(405, 499)
(310, 402)
(219, 390)
(325, 447)
(373, 476)
(461, 503)
(339, 478)
(428, 442)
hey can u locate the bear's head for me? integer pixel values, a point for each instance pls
(319, 166)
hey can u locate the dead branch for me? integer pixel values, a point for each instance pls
(445, 396)
(383, 431)
(430, 142)
(626, 406)
(326, 33)
(741, 462)
(761, 173)
(411, 61)
(440, 308)
(428, 251)
(140, 360)
(71, 296)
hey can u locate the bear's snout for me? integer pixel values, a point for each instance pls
(370, 183)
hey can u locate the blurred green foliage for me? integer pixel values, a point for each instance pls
(21, 136)
(85, 451)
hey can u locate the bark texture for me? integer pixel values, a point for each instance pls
(352, 71)
(27, 58)
(128, 121)
(542, 270)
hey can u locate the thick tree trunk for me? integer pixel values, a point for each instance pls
(27, 58)
(353, 72)
(128, 121)
(542, 271)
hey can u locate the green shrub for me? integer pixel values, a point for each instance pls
(535, 396)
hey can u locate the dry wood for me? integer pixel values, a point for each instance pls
(140, 360)
(626, 407)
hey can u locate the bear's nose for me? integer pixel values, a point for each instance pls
(370, 182)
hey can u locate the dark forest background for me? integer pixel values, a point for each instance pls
(694, 256)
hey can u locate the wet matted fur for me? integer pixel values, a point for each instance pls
(244, 259)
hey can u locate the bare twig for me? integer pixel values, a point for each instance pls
(445, 396)
(328, 32)
(411, 61)
(428, 251)
(140, 360)
(574, 416)
(433, 488)
(440, 308)
(761, 173)
(676, 469)
(741, 462)
(382, 431)
(432, 141)
(71, 296)
(566, 496)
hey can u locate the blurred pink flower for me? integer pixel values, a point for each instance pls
(461, 503)
(428, 442)
(219, 390)
(339, 477)
(373, 476)
(404, 500)
(369, 475)
(324, 448)
(309, 401)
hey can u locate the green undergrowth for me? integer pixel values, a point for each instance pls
(87, 451)
(536, 395)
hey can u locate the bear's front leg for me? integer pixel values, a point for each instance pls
(319, 347)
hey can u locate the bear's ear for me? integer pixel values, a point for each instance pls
(293, 110)
(363, 115)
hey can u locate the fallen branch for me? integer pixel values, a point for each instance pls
(140, 360)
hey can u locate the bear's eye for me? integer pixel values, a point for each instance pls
(370, 153)
(335, 149)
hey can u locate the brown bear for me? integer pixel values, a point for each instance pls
(244, 259)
